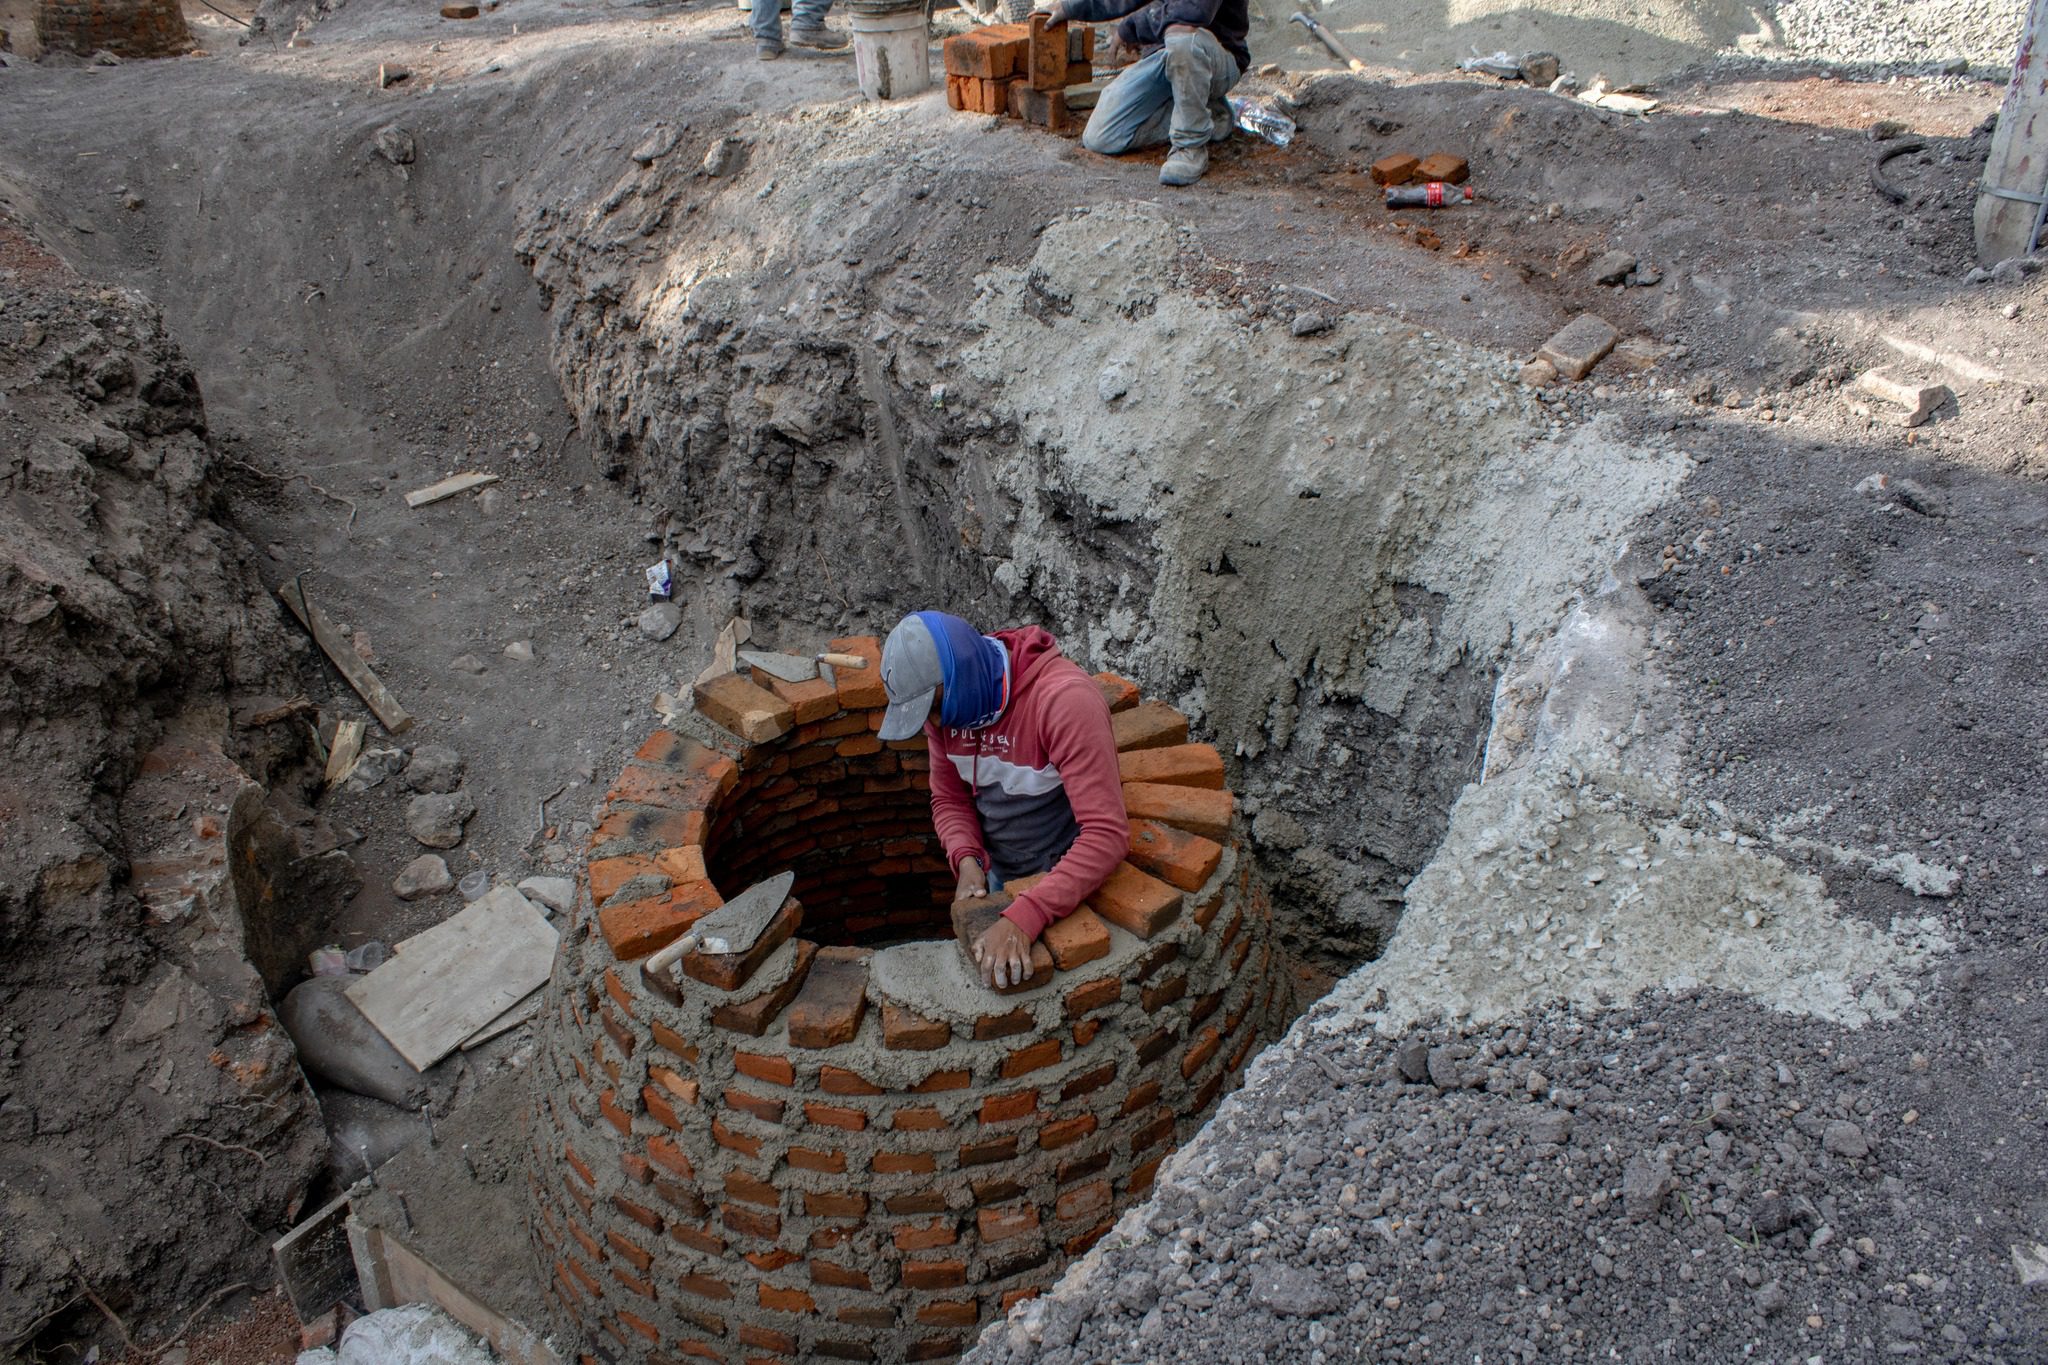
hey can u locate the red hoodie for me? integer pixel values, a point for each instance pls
(1037, 789)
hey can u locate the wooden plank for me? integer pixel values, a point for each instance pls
(314, 1262)
(2019, 149)
(506, 1022)
(448, 488)
(410, 1277)
(458, 976)
(360, 676)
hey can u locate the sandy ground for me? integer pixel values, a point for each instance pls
(367, 325)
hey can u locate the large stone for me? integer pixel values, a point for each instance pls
(436, 820)
(1611, 267)
(1580, 345)
(1844, 1138)
(426, 875)
(661, 620)
(1293, 1292)
(1644, 1183)
(434, 768)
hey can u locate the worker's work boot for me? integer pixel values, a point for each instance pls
(1185, 166)
(766, 52)
(819, 39)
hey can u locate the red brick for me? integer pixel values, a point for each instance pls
(1445, 166)
(607, 875)
(768, 1111)
(996, 1190)
(649, 828)
(752, 1188)
(730, 971)
(916, 1201)
(1093, 995)
(1085, 1031)
(1079, 938)
(827, 1011)
(738, 1142)
(835, 1116)
(576, 1164)
(1003, 1108)
(1135, 901)
(1395, 169)
(1148, 725)
(1036, 1057)
(636, 1168)
(989, 53)
(705, 1287)
(752, 1017)
(633, 929)
(1047, 51)
(750, 1222)
(804, 1158)
(639, 1213)
(1078, 1245)
(1141, 1097)
(671, 1041)
(904, 1163)
(786, 1300)
(774, 1070)
(591, 1246)
(949, 1313)
(810, 700)
(681, 1196)
(822, 1205)
(1088, 1082)
(1084, 1201)
(1141, 1177)
(837, 1080)
(926, 1236)
(999, 1225)
(1174, 856)
(639, 1256)
(860, 689)
(839, 1276)
(917, 1120)
(1002, 1025)
(1152, 1134)
(940, 1081)
(903, 1031)
(1080, 1168)
(982, 1153)
(1180, 765)
(934, 1274)
(1156, 1044)
(697, 1238)
(1206, 813)
(754, 714)
(678, 1087)
(608, 1105)
(764, 1339)
(1056, 1135)
(1121, 693)
(1157, 997)
(1200, 1051)
(639, 1324)
(1043, 108)
(881, 1318)
(1013, 1297)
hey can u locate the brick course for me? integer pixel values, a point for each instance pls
(753, 1163)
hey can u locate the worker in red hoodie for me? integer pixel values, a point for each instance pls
(1024, 771)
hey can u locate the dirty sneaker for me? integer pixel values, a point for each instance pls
(766, 52)
(1185, 166)
(821, 39)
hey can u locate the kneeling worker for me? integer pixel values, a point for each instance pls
(1192, 53)
(1023, 771)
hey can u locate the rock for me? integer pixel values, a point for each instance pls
(1917, 497)
(1137, 1291)
(1539, 374)
(1443, 1068)
(1310, 324)
(1920, 401)
(719, 159)
(1644, 276)
(437, 820)
(1771, 1299)
(1580, 345)
(434, 768)
(395, 145)
(1771, 1215)
(1901, 1322)
(426, 875)
(1644, 1183)
(1292, 1292)
(659, 144)
(1552, 1126)
(1884, 130)
(337, 1044)
(1540, 68)
(520, 651)
(375, 767)
(660, 620)
(1845, 1139)
(1612, 267)
(466, 663)
(556, 893)
(2030, 1262)
(1412, 1057)
(460, 10)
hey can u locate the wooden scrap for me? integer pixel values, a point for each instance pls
(725, 651)
(448, 488)
(346, 751)
(359, 674)
(454, 979)
(506, 1022)
(314, 1263)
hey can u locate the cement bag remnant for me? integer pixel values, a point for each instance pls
(412, 1334)
(339, 1046)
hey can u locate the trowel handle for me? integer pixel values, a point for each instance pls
(659, 964)
(843, 660)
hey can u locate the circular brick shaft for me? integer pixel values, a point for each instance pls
(839, 1143)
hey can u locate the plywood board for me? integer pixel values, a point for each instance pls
(506, 1022)
(448, 488)
(458, 976)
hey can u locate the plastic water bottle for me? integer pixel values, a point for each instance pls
(1259, 118)
(1433, 195)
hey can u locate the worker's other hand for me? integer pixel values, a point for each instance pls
(972, 881)
(1121, 53)
(1053, 10)
(1004, 954)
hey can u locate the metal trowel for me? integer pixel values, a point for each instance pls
(797, 667)
(732, 928)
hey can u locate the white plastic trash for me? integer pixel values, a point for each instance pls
(412, 1334)
(892, 52)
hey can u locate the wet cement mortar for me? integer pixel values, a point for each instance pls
(752, 391)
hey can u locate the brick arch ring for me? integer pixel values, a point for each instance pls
(838, 1143)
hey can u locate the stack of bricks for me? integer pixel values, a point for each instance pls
(794, 1153)
(1399, 168)
(1021, 71)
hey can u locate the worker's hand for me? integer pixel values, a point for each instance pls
(1053, 10)
(1121, 53)
(972, 881)
(1004, 954)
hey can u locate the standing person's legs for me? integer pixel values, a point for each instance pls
(766, 20)
(1133, 111)
(1200, 73)
(807, 26)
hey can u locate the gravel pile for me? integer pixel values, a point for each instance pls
(1984, 33)
(1701, 1180)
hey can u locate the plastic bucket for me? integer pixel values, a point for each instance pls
(891, 52)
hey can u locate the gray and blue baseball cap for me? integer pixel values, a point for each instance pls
(912, 673)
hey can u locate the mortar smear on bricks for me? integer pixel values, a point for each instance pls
(839, 1144)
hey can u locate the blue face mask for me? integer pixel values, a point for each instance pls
(976, 670)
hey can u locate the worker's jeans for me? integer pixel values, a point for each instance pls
(767, 18)
(1167, 96)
